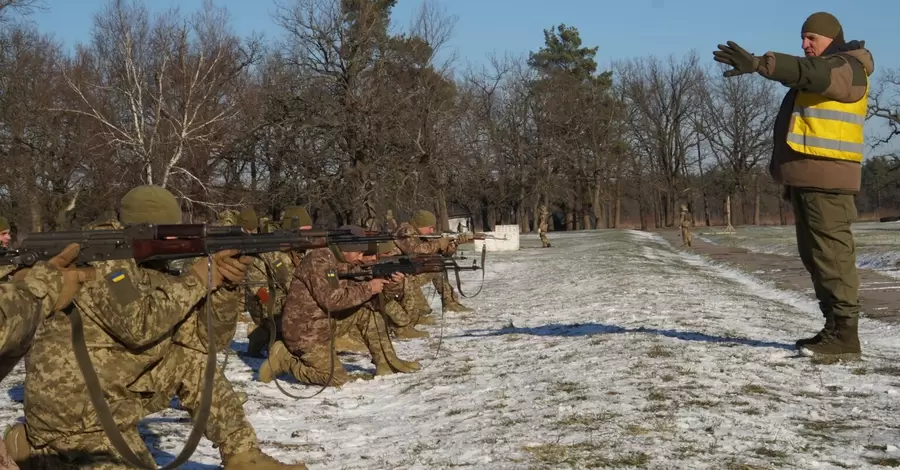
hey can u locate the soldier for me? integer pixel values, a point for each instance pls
(544, 225)
(39, 291)
(390, 223)
(402, 316)
(5, 238)
(146, 333)
(5, 235)
(685, 224)
(817, 154)
(282, 265)
(320, 304)
(423, 223)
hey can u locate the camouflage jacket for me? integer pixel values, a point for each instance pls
(315, 291)
(22, 306)
(133, 318)
(412, 243)
(258, 292)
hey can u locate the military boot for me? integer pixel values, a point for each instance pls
(409, 332)
(842, 342)
(279, 362)
(386, 362)
(453, 305)
(829, 325)
(257, 340)
(257, 460)
(399, 365)
(350, 342)
(426, 320)
(17, 446)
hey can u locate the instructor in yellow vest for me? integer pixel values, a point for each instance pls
(818, 147)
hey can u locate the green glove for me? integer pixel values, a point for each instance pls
(735, 56)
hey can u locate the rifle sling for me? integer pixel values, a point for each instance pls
(104, 415)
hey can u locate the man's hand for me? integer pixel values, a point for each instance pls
(234, 270)
(204, 270)
(397, 277)
(72, 277)
(377, 285)
(735, 56)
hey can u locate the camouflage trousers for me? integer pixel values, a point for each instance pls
(313, 366)
(544, 240)
(258, 336)
(370, 326)
(439, 281)
(180, 374)
(685, 236)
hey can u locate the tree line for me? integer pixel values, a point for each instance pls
(342, 115)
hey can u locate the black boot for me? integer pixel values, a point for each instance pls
(842, 342)
(829, 325)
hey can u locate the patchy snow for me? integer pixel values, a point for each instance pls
(611, 349)
(876, 243)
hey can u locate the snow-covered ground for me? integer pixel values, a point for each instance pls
(611, 349)
(876, 243)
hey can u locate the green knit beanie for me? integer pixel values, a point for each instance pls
(4, 224)
(248, 219)
(423, 219)
(303, 218)
(149, 204)
(823, 24)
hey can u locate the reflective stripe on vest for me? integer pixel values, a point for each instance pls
(827, 128)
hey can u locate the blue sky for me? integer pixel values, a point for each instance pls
(621, 29)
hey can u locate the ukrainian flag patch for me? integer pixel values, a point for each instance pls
(117, 276)
(278, 264)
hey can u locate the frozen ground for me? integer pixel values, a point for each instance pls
(611, 349)
(877, 244)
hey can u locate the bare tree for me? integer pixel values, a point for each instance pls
(165, 90)
(662, 97)
(737, 119)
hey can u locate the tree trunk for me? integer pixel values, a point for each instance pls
(728, 226)
(782, 217)
(757, 200)
(443, 216)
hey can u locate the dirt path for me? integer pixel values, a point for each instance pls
(880, 294)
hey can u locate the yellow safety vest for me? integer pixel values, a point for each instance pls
(827, 128)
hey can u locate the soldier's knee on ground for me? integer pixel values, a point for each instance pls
(257, 460)
(16, 443)
(317, 364)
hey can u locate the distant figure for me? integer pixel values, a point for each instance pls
(544, 225)
(460, 227)
(818, 146)
(686, 220)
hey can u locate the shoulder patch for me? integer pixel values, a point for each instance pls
(122, 287)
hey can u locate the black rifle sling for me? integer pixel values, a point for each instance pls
(104, 415)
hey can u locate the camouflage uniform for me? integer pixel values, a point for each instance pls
(22, 306)
(5, 271)
(282, 265)
(320, 305)
(685, 224)
(544, 226)
(146, 335)
(410, 242)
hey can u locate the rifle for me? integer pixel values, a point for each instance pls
(149, 242)
(409, 266)
(469, 237)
